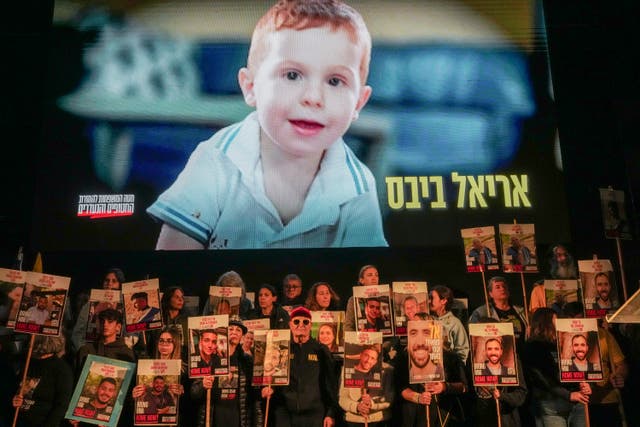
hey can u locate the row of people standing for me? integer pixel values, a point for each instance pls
(323, 296)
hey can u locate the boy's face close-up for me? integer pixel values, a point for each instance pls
(307, 89)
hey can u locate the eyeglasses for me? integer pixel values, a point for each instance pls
(292, 287)
(305, 322)
(167, 341)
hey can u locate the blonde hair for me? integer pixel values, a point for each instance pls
(304, 14)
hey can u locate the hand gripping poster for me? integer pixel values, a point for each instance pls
(480, 249)
(142, 305)
(100, 391)
(518, 247)
(373, 309)
(157, 392)
(409, 299)
(208, 349)
(578, 350)
(493, 353)
(42, 304)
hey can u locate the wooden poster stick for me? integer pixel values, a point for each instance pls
(622, 275)
(499, 417)
(366, 417)
(484, 286)
(427, 410)
(587, 423)
(24, 378)
(266, 410)
(524, 296)
(208, 409)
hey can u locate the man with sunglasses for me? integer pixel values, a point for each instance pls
(310, 399)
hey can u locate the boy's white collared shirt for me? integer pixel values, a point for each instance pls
(219, 198)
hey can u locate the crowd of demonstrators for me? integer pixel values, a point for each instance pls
(316, 394)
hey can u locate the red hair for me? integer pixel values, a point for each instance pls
(304, 14)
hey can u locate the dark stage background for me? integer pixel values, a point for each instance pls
(592, 49)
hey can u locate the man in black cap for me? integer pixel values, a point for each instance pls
(310, 399)
(232, 396)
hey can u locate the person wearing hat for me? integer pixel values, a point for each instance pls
(232, 396)
(310, 399)
(47, 390)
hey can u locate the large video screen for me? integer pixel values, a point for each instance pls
(161, 131)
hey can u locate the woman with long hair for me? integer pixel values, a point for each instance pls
(322, 297)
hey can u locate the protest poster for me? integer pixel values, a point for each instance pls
(424, 347)
(225, 300)
(518, 248)
(208, 352)
(578, 350)
(599, 287)
(157, 392)
(100, 391)
(42, 304)
(362, 360)
(409, 298)
(373, 309)
(12, 283)
(480, 249)
(141, 301)
(271, 357)
(493, 353)
(560, 292)
(327, 327)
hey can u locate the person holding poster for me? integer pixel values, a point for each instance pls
(368, 276)
(605, 399)
(553, 402)
(415, 392)
(230, 279)
(113, 279)
(48, 386)
(310, 399)
(440, 303)
(232, 396)
(501, 309)
(367, 404)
